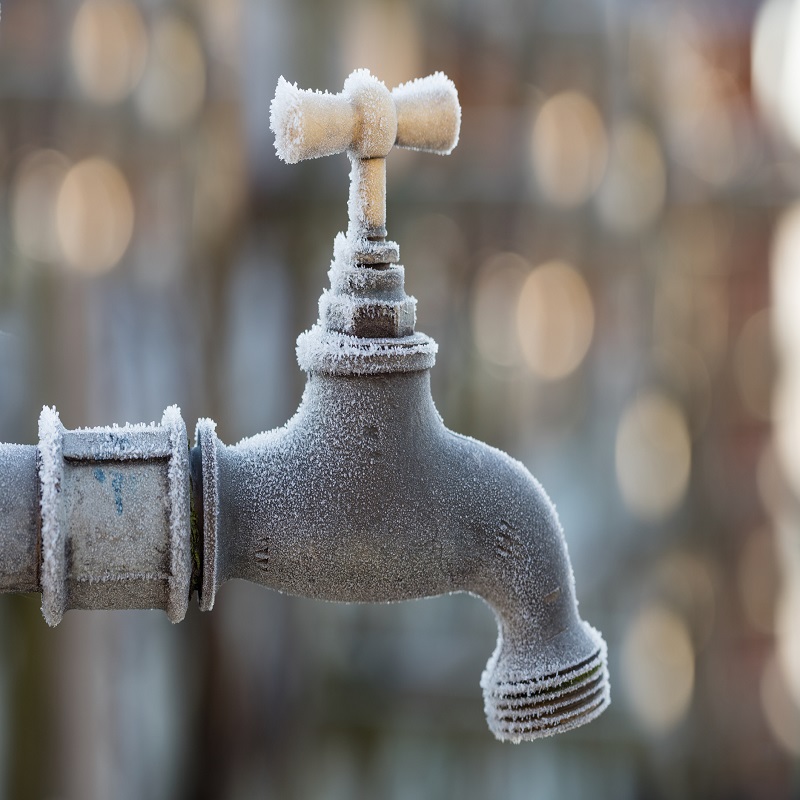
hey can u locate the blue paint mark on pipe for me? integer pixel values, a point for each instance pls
(116, 485)
(100, 475)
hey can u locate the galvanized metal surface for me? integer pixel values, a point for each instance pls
(19, 519)
(363, 496)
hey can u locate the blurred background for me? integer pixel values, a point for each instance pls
(610, 263)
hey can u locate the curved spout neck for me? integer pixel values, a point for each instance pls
(366, 496)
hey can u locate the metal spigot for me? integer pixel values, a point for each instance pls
(363, 496)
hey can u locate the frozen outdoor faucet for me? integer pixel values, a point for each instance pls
(363, 496)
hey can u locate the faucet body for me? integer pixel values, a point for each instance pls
(365, 496)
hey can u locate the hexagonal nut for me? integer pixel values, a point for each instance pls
(368, 318)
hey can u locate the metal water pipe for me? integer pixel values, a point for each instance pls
(363, 496)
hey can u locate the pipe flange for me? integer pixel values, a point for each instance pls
(54, 558)
(205, 438)
(333, 353)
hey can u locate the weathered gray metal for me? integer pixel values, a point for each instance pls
(363, 496)
(19, 519)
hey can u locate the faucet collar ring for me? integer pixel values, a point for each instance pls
(334, 353)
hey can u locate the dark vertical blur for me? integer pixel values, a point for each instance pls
(610, 262)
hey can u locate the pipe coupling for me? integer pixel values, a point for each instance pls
(115, 516)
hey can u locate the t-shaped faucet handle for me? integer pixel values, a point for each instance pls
(366, 120)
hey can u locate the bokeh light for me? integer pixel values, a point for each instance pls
(653, 456)
(108, 48)
(172, 90)
(758, 579)
(634, 377)
(786, 281)
(754, 366)
(683, 368)
(393, 57)
(555, 320)
(767, 56)
(569, 149)
(786, 330)
(789, 86)
(658, 668)
(94, 216)
(685, 582)
(788, 634)
(633, 190)
(494, 303)
(34, 194)
(776, 65)
(780, 709)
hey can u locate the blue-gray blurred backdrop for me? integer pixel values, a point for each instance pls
(610, 263)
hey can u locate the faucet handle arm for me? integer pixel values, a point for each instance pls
(428, 114)
(310, 124)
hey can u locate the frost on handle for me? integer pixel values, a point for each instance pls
(366, 120)
(308, 124)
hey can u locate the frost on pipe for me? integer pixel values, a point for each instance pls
(365, 496)
(115, 516)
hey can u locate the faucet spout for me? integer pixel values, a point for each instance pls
(365, 496)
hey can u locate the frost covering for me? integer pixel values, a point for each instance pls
(423, 114)
(365, 496)
(320, 350)
(366, 321)
(368, 496)
(51, 469)
(365, 298)
(365, 120)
